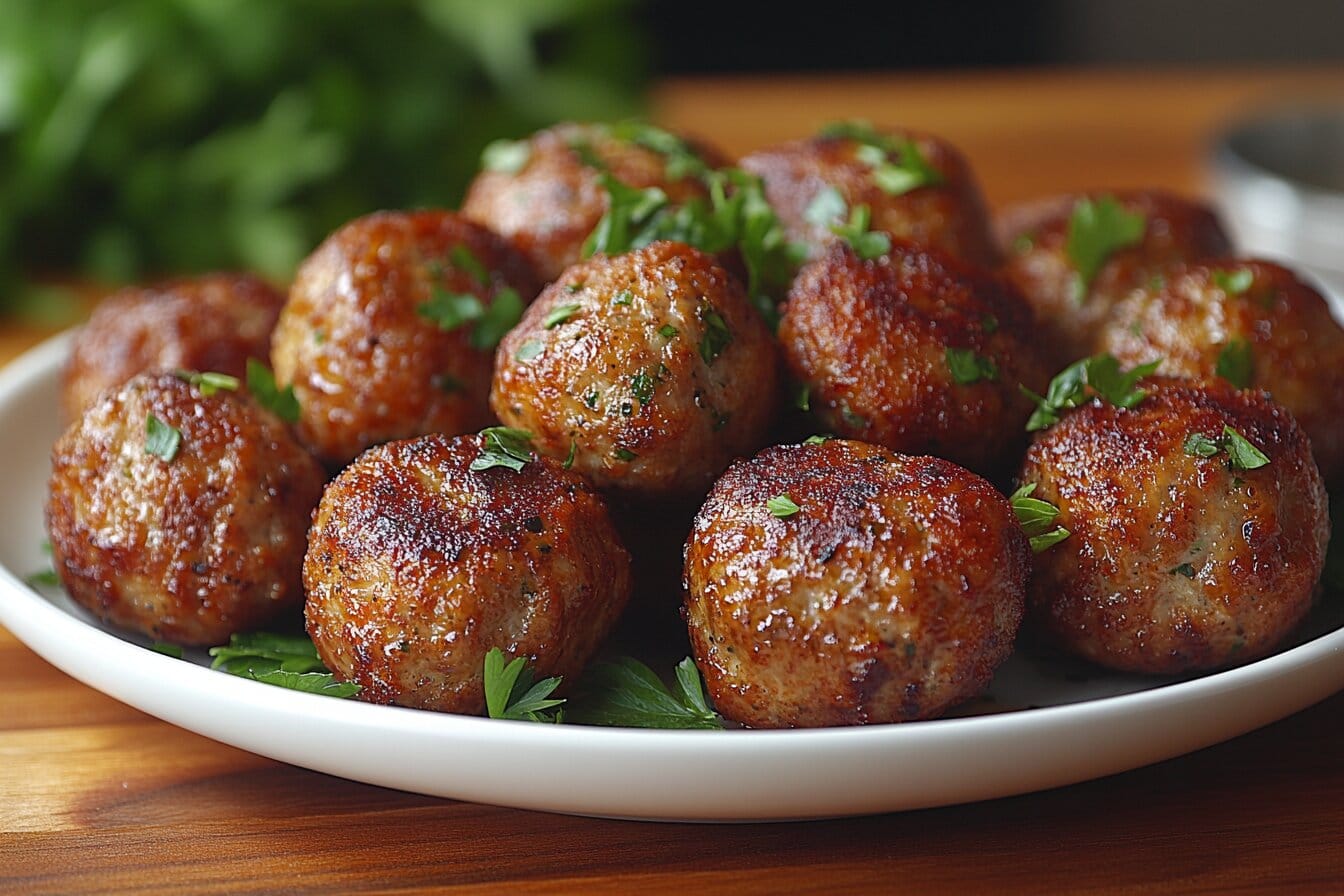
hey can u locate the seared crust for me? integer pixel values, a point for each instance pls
(1176, 563)
(190, 550)
(1035, 236)
(1296, 345)
(209, 323)
(892, 594)
(554, 201)
(637, 379)
(365, 363)
(870, 341)
(417, 566)
(950, 216)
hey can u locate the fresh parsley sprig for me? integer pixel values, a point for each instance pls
(452, 310)
(867, 244)
(625, 693)
(1036, 518)
(511, 692)
(1241, 453)
(968, 368)
(280, 402)
(1097, 229)
(288, 661)
(161, 440)
(1235, 363)
(782, 506)
(503, 446)
(1098, 376)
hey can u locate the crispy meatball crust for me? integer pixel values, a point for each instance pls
(652, 368)
(1200, 317)
(417, 566)
(188, 550)
(1035, 236)
(550, 205)
(367, 360)
(870, 341)
(892, 594)
(1176, 563)
(215, 323)
(949, 215)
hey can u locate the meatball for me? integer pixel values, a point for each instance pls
(916, 351)
(1074, 257)
(179, 514)
(390, 328)
(1185, 551)
(1252, 322)
(552, 197)
(420, 562)
(214, 323)
(916, 186)
(891, 593)
(647, 372)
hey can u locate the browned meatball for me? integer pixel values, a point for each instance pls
(915, 351)
(214, 323)
(550, 200)
(892, 593)
(1252, 322)
(1179, 556)
(647, 372)
(926, 194)
(390, 329)
(187, 542)
(418, 565)
(1073, 290)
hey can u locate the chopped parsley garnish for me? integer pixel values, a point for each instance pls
(506, 156)
(626, 693)
(803, 399)
(624, 297)
(782, 506)
(1097, 229)
(289, 661)
(163, 647)
(716, 337)
(465, 260)
(511, 692)
(161, 440)
(967, 367)
(682, 160)
(501, 316)
(573, 453)
(559, 314)
(1185, 569)
(1036, 518)
(631, 220)
(826, 208)
(528, 350)
(1235, 363)
(1099, 376)
(450, 310)
(643, 384)
(208, 383)
(283, 403)
(667, 331)
(898, 163)
(625, 454)
(867, 244)
(1234, 282)
(818, 439)
(1241, 454)
(504, 447)
(43, 578)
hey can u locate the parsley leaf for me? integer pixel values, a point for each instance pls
(450, 310)
(682, 160)
(289, 661)
(1235, 363)
(1036, 518)
(163, 647)
(1241, 454)
(1096, 230)
(716, 337)
(559, 314)
(643, 384)
(464, 259)
(1199, 445)
(504, 447)
(161, 440)
(967, 367)
(501, 316)
(1234, 282)
(625, 454)
(867, 244)
(1099, 375)
(507, 156)
(573, 453)
(511, 692)
(280, 402)
(208, 382)
(626, 693)
(43, 578)
(528, 350)
(782, 506)
(826, 208)
(818, 439)
(631, 219)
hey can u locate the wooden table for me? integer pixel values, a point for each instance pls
(100, 797)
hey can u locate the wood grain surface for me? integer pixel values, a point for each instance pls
(98, 797)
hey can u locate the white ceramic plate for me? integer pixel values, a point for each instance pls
(1044, 725)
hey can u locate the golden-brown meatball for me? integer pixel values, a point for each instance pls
(187, 538)
(390, 329)
(550, 198)
(1183, 554)
(916, 351)
(214, 323)
(1253, 323)
(917, 187)
(647, 372)
(419, 563)
(891, 593)
(1074, 257)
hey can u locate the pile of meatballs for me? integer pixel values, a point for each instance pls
(918, 438)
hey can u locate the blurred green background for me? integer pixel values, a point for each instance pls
(145, 137)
